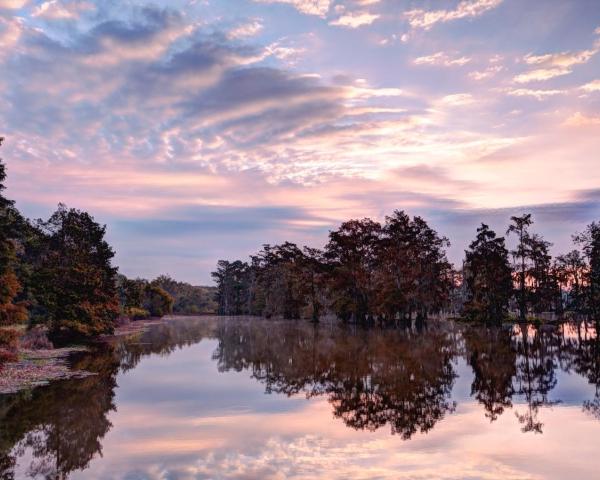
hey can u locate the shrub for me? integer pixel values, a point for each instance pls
(8, 345)
(36, 339)
(135, 313)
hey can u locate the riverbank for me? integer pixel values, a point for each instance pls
(35, 367)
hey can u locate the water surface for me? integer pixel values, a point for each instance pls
(226, 398)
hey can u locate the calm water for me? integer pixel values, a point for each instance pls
(217, 398)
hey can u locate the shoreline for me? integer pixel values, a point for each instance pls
(35, 368)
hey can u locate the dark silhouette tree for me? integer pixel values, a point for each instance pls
(520, 227)
(543, 288)
(234, 282)
(570, 270)
(589, 240)
(352, 253)
(487, 276)
(413, 273)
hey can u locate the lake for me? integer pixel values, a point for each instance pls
(247, 398)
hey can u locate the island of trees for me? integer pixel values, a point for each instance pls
(398, 271)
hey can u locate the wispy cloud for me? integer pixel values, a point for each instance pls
(425, 19)
(537, 94)
(61, 10)
(579, 119)
(308, 7)
(355, 19)
(593, 86)
(458, 99)
(248, 29)
(486, 73)
(13, 4)
(144, 112)
(553, 65)
(443, 59)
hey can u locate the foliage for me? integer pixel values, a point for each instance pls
(136, 313)
(188, 299)
(366, 271)
(487, 276)
(36, 338)
(76, 281)
(520, 227)
(157, 301)
(11, 311)
(589, 240)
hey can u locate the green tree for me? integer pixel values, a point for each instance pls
(188, 299)
(487, 276)
(158, 302)
(11, 311)
(76, 281)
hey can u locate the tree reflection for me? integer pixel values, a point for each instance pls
(370, 377)
(583, 352)
(399, 378)
(491, 355)
(61, 425)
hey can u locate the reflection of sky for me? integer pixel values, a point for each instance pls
(199, 129)
(178, 418)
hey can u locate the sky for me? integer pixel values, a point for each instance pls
(200, 129)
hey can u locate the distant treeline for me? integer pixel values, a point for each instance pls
(137, 295)
(58, 273)
(369, 272)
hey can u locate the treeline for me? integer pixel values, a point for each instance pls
(59, 273)
(366, 270)
(398, 271)
(141, 298)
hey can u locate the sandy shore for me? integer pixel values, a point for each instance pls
(39, 367)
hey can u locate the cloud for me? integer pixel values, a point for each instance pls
(355, 20)
(486, 73)
(537, 94)
(426, 19)
(11, 30)
(13, 4)
(285, 51)
(554, 65)
(443, 59)
(62, 10)
(143, 113)
(579, 119)
(249, 29)
(593, 86)
(458, 99)
(308, 7)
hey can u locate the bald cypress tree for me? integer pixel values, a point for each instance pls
(487, 276)
(521, 254)
(589, 240)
